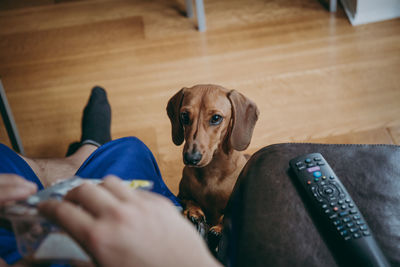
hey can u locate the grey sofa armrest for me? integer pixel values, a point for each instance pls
(267, 223)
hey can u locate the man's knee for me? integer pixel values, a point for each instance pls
(131, 145)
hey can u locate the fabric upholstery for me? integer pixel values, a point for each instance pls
(267, 223)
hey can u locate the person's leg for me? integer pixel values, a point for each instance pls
(96, 123)
(51, 170)
(96, 131)
(129, 159)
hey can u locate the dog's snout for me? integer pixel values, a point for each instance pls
(192, 158)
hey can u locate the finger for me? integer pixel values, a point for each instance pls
(116, 187)
(13, 179)
(12, 193)
(150, 196)
(150, 199)
(94, 199)
(74, 220)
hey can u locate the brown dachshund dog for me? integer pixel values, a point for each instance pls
(216, 124)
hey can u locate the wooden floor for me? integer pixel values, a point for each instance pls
(314, 77)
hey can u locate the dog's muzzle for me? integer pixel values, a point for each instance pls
(192, 158)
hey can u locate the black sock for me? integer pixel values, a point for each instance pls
(96, 119)
(72, 148)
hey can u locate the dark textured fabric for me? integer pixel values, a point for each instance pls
(267, 224)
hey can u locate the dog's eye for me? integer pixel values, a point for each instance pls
(216, 119)
(185, 118)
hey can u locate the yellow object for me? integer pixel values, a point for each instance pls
(140, 184)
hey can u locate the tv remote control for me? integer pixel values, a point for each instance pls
(348, 234)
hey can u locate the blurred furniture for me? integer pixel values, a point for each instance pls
(9, 122)
(201, 18)
(367, 11)
(332, 5)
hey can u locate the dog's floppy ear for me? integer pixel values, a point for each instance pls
(244, 118)
(173, 108)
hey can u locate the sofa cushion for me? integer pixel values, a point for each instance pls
(268, 224)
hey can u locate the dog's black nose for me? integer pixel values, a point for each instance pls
(192, 158)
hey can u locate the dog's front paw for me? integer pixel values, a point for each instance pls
(195, 214)
(213, 237)
(216, 230)
(197, 217)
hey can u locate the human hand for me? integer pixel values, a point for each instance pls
(14, 187)
(121, 227)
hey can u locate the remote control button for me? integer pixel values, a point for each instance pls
(363, 227)
(308, 182)
(366, 233)
(307, 160)
(341, 202)
(340, 227)
(323, 177)
(350, 224)
(346, 220)
(335, 208)
(299, 163)
(356, 235)
(348, 200)
(331, 177)
(353, 230)
(337, 222)
(316, 180)
(317, 174)
(319, 199)
(335, 185)
(356, 217)
(344, 233)
(327, 211)
(333, 216)
(338, 188)
(332, 204)
(343, 213)
(320, 164)
(359, 222)
(323, 183)
(324, 206)
(328, 191)
(351, 205)
(343, 207)
(313, 169)
(333, 198)
(309, 165)
(353, 211)
(347, 238)
(300, 168)
(317, 159)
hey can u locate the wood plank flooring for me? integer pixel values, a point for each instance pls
(314, 76)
